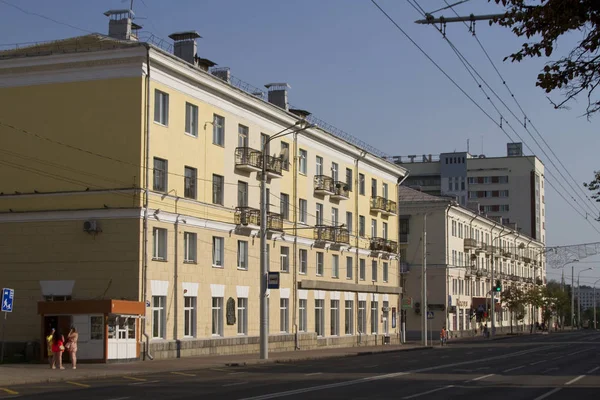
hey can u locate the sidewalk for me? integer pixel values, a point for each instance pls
(19, 374)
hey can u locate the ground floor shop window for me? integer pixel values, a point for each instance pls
(158, 317)
(217, 316)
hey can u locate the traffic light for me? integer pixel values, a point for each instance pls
(498, 287)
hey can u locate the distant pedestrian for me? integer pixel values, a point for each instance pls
(485, 331)
(71, 345)
(58, 347)
(443, 336)
(49, 339)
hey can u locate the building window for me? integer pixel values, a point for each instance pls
(374, 312)
(373, 228)
(385, 271)
(302, 161)
(349, 223)
(161, 107)
(385, 190)
(158, 316)
(362, 316)
(284, 206)
(242, 198)
(303, 255)
(265, 143)
(374, 271)
(303, 210)
(302, 315)
(349, 267)
(189, 316)
(319, 214)
(242, 312)
(361, 184)
(285, 259)
(349, 317)
(242, 255)
(334, 171)
(191, 119)
(284, 315)
(335, 266)
(159, 244)
(217, 316)
(191, 177)
(318, 165)
(404, 230)
(335, 318)
(285, 156)
(349, 182)
(334, 216)
(218, 251)
(385, 230)
(160, 175)
(320, 257)
(218, 188)
(190, 246)
(242, 136)
(361, 226)
(373, 187)
(320, 317)
(218, 130)
(362, 269)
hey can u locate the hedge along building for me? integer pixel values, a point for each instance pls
(138, 179)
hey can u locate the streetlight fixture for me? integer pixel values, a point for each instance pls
(572, 289)
(579, 296)
(595, 326)
(302, 125)
(493, 292)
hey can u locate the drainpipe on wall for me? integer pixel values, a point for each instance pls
(402, 330)
(295, 222)
(146, 194)
(447, 269)
(176, 282)
(357, 242)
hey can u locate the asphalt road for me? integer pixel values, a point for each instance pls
(537, 367)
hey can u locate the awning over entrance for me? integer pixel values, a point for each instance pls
(72, 307)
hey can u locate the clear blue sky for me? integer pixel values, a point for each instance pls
(348, 65)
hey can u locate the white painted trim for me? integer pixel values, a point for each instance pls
(386, 297)
(190, 289)
(349, 295)
(57, 288)
(284, 293)
(302, 294)
(39, 216)
(159, 288)
(362, 297)
(319, 294)
(334, 295)
(374, 296)
(217, 290)
(241, 291)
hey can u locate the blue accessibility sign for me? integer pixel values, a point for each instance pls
(8, 296)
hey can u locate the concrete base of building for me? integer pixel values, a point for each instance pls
(251, 344)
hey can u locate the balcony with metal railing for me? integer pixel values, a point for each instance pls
(248, 159)
(383, 205)
(274, 166)
(333, 234)
(470, 244)
(275, 222)
(341, 190)
(385, 245)
(323, 184)
(250, 217)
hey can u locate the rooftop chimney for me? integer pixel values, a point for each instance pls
(223, 73)
(185, 46)
(278, 94)
(121, 26)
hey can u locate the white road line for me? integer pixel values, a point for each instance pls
(557, 358)
(538, 362)
(313, 373)
(428, 392)
(577, 352)
(482, 377)
(549, 369)
(513, 369)
(575, 380)
(550, 393)
(143, 383)
(593, 370)
(236, 373)
(235, 384)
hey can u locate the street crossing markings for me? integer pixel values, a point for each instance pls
(482, 377)
(313, 373)
(183, 374)
(548, 394)
(235, 384)
(83, 385)
(428, 392)
(593, 370)
(8, 391)
(133, 378)
(538, 362)
(572, 381)
(143, 383)
(513, 369)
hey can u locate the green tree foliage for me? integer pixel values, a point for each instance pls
(514, 298)
(543, 23)
(594, 187)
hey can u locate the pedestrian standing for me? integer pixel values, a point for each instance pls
(71, 345)
(49, 340)
(443, 335)
(58, 347)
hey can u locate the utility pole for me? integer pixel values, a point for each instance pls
(264, 266)
(424, 289)
(595, 326)
(572, 296)
(493, 311)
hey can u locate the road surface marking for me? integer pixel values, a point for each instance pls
(235, 384)
(538, 362)
(371, 366)
(575, 380)
(593, 370)
(557, 358)
(392, 375)
(77, 384)
(549, 369)
(236, 373)
(513, 369)
(183, 373)
(220, 369)
(428, 392)
(577, 352)
(314, 373)
(9, 391)
(550, 393)
(445, 357)
(143, 383)
(481, 377)
(133, 378)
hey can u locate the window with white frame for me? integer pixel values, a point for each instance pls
(361, 226)
(373, 228)
(362, 316)
(218, 130)
(218, 189)
(320, 267)
(349, 267)
(334, 216)
(374, 270)
(189, 316)
(218, 251)
(335, 318)
(284, 315)
(362, 269)
(242, 194)
(217, 316)
(335, 266)
(318, 165)
(190, 182)
(190, 247)
(242, 312)
(385, 230)
(242, 136)
(284, 206)
(349, 223)
(159, 244)
(191, 119)
(303, 211)
(334, 171)
(302, 161)
(161, 107)
(160, 175)
(319, 214)
(285, 156)
(374, 320)
(302, 315)
(320, 317)
(385, 190)
(385, 271)
(303, 255)
(242, 254)
(361, 184)
(285, 259)
(349, 317)
(159, 318)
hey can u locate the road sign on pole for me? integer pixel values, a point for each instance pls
(429, 314)
(407, 303)
(7, 299)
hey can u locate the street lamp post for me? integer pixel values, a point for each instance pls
(579, 297)
(572, 289)
(595, 326)
(264, 266)
(493, 310)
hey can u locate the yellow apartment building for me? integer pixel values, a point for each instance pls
(130, 173)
